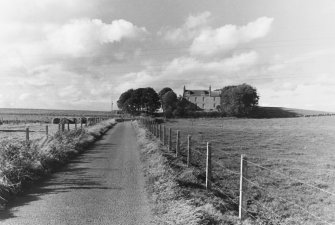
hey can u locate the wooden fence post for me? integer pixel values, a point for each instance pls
(170, 139)
(209, 167)
(163, 135)
(59, 125)
(155, 129)
(27, 134)
(68, 125)
(177, 143)
(189, 154)
(47, 130)
(160, 132)
(63, 127)
(243, 189)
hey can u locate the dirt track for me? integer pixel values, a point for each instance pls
(103, 186)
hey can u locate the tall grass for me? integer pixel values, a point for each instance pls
(176, 192)
(23, 162)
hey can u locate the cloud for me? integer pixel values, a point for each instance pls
(225, 66)
(83, 36)
(212, 41)
(188, 30)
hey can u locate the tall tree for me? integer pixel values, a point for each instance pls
(239, 100)
(169, 103)
(163, 92)
(150, 100)
(139, 100)
(124, 99)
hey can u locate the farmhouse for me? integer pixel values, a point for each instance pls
(205, 99)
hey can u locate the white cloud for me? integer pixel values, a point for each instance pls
(188, 30)
(227, 66)
(83, 36)
(24, 96)
(211, 41)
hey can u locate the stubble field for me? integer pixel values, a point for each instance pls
(291, 164)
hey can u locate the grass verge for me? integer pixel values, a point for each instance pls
(22, 162)
(177, 194)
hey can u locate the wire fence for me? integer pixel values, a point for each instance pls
(33, 131)
(255, 200)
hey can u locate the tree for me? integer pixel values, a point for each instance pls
(150, 100)
(183, 107)
(139, 100)
(163, 92)
(169, 101)
(124, 100)
(238, 100)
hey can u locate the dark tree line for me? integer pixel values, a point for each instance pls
(238, 100)
(139, 100)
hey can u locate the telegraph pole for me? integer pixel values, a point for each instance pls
(112, 106)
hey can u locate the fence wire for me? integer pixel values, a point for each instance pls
(202, 143)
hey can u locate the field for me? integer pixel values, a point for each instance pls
(45, 115)
(291, 169)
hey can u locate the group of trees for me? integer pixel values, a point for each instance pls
(238, 100)
(139, 100)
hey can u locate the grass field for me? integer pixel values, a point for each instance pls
(46, 115)
(36, 130)
(291, 174)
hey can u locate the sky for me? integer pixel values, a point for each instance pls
(75, 54)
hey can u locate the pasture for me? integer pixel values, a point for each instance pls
(45, 115)
(291, 164)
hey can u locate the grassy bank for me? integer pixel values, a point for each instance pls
(177, 193)
(24, 162)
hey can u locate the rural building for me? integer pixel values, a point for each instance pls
(205, 99)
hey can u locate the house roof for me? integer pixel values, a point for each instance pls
(203, 92)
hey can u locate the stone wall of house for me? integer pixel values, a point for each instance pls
(205, 102)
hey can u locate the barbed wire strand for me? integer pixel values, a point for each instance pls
(300, 207)
(233, 200)
(291, 178)
(270, 210)
(220, 165)
(229, 190)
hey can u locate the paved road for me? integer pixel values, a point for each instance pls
(103, 186)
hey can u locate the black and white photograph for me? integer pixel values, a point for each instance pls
(167, 112)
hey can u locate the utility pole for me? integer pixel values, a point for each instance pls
(112, 105)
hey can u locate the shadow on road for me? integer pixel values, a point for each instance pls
(82, 173)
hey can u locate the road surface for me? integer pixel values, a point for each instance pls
(105, 185)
